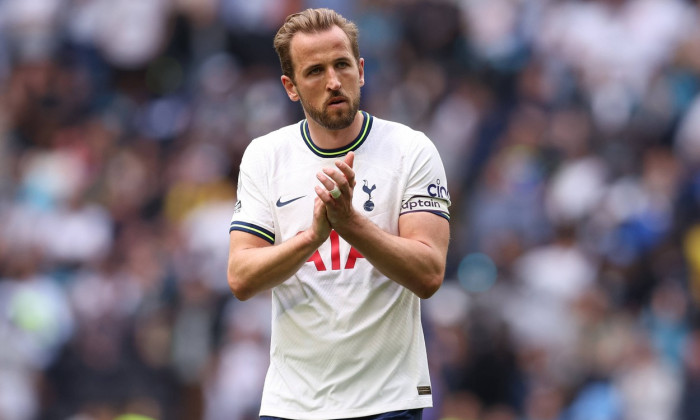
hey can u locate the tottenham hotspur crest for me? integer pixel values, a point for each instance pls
(369, 205)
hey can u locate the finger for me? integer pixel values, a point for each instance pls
(320, 216)
(324, 195)
(337, 177)
(320, 208)
(349, 159)
(318, 203)
(347, 171)
(325, 180)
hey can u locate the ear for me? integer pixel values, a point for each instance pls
(361, 67)
(290, 88)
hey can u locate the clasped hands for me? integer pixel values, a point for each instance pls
(335, 192)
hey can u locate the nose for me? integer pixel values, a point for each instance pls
(333, 83)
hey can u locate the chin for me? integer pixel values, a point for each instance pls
(339, 123)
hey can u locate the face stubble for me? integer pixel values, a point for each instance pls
(332, 120)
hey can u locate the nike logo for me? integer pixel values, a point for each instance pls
(281, 203)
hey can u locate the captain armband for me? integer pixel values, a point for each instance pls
(429, 204)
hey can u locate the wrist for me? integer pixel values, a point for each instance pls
(350, 224)
(313, 239)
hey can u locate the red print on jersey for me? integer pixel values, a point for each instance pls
(353, 255)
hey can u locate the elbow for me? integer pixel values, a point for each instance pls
(430, 286)
(239, 288)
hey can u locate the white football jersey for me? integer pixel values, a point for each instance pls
(346, 340)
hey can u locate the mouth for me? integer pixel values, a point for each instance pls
(336, 100)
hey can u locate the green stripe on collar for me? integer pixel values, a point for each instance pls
(341, 151)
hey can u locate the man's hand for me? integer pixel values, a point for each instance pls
(339, 211)
(320, 226)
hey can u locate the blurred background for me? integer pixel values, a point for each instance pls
(569, 130)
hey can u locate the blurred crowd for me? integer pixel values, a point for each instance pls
(569, 130)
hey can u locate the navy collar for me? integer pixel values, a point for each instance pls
(341, 151)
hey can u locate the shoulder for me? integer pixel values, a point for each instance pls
(401, 135)
(271, 144)
(275, 138)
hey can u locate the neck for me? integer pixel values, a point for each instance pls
(332, 139)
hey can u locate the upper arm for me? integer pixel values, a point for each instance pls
(431, 235)
(239, 240)
(424, 214)
(428, 228)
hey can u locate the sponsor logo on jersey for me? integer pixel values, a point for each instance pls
(437, 190)
(369, 205)
(237, 208)
(281, 203)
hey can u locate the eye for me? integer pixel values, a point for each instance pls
(342, 65)
(315, 70)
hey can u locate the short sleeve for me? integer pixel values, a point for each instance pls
(252, 213)
(426, 190)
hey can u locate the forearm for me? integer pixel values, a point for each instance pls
(415, 264)
(415, 258)
(254, 269)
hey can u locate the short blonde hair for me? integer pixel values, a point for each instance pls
(311, 21)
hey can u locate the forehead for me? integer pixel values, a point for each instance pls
(312, 48)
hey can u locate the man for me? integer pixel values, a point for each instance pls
(344, 216)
